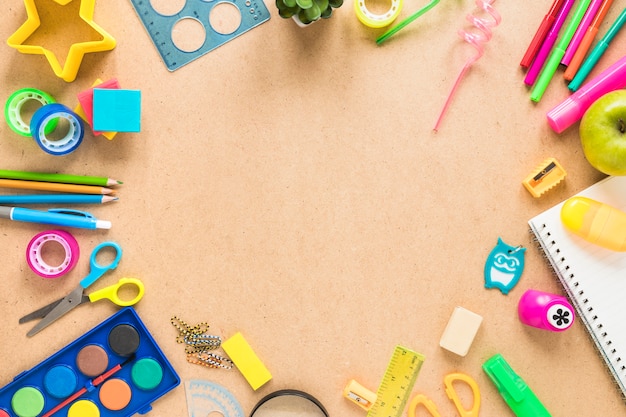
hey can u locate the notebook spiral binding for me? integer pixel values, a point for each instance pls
(551, 253)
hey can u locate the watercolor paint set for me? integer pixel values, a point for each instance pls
(115, 369)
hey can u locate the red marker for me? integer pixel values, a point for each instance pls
(541, 34)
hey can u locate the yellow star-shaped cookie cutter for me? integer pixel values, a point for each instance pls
(75, 55)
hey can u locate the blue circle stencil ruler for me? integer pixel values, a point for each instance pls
(206, 397)
(160, 27)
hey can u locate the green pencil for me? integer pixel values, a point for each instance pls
(559, 51)
(57, 178)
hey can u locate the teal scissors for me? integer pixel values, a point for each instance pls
(55, 310)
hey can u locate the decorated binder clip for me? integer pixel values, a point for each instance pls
(504, 266)
(545, 177)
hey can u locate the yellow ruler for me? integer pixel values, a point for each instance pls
(397, 383)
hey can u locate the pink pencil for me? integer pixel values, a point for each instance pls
(546, 48)
(580, 32)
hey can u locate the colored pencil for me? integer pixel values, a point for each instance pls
(56, 199)
(60, 178)
(541, 33)
(587, 40)
(54, 187)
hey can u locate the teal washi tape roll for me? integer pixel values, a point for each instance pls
(46, 115)
(15, 104)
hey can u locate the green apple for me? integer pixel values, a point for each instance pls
(603, 133)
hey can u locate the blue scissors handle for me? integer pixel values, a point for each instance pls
(97, 270)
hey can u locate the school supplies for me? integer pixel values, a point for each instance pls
(61, 146)
(289, 403)
(374, 20)
(119, 357)
(200, 344)
(597, 52)
(68, 71)
(545, 311)
(559, 51)
(85, 105)
(58, 178)
(460, 331)
(56, 199)
(586, 41)
(546, 47)
(449, 380)
(571, 110)
(395, 388)
(246, 360)
(57, 309)
(55, 217)
(476, 39)
(54, 187)
(596, 222)
(585, 22)
(206, 397)
(515, 392)
(406, 21)
(36, 246)
(359, 395)
(160, 27)
(15, 103)
(504, 266)
(592, 276)
(545, 177)
(541, 33)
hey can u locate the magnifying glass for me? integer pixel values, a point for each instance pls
(289, 403)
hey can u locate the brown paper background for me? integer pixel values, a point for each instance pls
(289, 185)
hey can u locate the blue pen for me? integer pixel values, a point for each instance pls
(597, 52)
(56, 199)
(57, 217)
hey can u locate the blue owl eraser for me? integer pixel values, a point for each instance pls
(504, 266)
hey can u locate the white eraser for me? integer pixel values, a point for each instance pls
(460, 331)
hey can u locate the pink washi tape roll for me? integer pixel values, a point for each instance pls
(39, 265)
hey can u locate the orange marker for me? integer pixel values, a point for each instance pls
(587, 40)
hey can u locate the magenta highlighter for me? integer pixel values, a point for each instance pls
(572, 109)
(545, 311)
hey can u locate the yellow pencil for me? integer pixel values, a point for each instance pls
(54, 187)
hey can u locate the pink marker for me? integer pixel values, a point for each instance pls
(580, 31)
(546, 48)
(572, 109)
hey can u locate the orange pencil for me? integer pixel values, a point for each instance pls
(586, 42)
(54, 187)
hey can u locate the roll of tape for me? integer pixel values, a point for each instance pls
(47, 114)
(377, 20)
(14, 106)
(39, 265)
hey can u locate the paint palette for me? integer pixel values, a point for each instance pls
(115, 369)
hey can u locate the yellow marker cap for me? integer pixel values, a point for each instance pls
(248, 363)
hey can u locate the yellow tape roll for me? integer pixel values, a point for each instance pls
(377, 20)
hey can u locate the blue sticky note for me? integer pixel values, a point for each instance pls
(116, 110)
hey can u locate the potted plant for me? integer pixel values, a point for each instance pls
(305, 12)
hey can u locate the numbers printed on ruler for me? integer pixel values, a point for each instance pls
(397, 383)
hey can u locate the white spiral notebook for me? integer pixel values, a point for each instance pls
(593, 277)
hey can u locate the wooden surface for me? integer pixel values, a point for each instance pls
(289, 185)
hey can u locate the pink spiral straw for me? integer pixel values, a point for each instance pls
(476, 39)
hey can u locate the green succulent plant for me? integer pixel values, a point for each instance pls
(307, 10)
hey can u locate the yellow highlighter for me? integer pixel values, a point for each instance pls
(595, 222)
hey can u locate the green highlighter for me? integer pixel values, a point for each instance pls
(559, 51)
(516, 393)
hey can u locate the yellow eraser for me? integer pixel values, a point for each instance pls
(248, 363)
(460, 331)
(359, 395)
